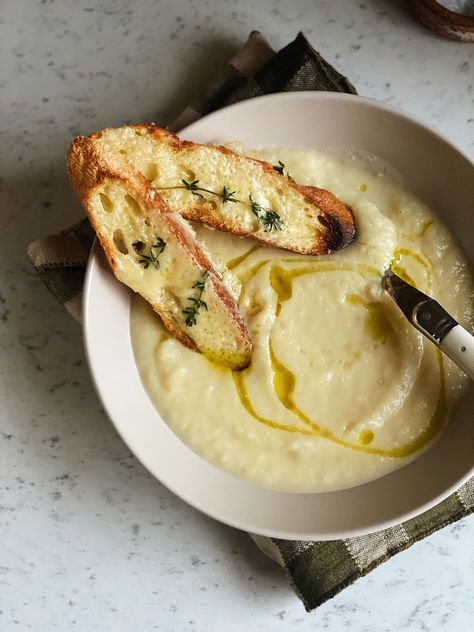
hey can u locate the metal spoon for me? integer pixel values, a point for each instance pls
(433, 321)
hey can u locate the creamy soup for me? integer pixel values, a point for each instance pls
(341, 388)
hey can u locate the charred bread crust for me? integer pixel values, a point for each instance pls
(334, 216)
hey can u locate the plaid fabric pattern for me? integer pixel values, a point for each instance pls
(318, 570)
(257, 70)
(61, 260)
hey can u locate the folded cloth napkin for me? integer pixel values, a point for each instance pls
(318, 570)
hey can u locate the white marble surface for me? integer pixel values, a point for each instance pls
(88, 540)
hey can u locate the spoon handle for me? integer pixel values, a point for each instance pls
(458, 344)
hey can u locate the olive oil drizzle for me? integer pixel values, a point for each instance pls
(377, 325)
(400, 270)
(233, 263)
(405, 252)
(284, 383)
(247, 404)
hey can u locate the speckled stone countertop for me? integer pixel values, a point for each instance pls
(89, 540)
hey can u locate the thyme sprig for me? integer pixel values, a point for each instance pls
(196, 301)
(267, 216)
(156, 249)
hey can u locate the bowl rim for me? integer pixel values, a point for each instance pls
(442, 13)
(330, 96)
(94, 262)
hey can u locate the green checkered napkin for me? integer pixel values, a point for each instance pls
(318, 570)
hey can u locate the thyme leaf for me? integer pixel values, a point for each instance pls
(193, 187)
(268, 217)
(272, 221)
(280, 168)
(155, 251)
(197, 303)
(199, 285)
(228, 195)
(138, 246)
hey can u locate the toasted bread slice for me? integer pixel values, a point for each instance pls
(263, 203)
(153, 251)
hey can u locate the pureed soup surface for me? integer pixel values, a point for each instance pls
(341, 388)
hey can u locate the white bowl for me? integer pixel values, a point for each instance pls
(439, 174)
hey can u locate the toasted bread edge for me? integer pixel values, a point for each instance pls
(88, 168)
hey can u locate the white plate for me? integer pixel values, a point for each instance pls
(444, 178)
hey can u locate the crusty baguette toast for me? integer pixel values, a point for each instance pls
(153, 251)
(191, 178)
